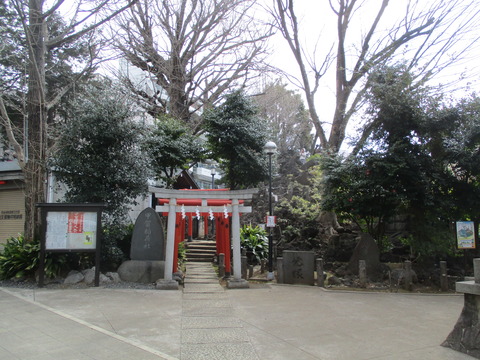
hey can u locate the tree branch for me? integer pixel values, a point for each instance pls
(7, 123)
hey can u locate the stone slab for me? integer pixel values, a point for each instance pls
(299, 267)
(211, 322)
(211, 303)
(189, 283)
(238, 284)
(218, 352)
(214, 336)
(203, 288)
(148, 239)
(166, 285)
(200, 272)
(468, 287)
(201, 279)
(196, 282)
(202, 276)
(204, 296)
(202, 311)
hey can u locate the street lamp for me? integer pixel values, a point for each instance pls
(213, 172)
(270, 149)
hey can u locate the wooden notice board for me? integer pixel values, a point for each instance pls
(70, 228)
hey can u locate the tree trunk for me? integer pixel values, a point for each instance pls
(34, 171)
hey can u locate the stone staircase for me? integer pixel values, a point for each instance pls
(200, 250)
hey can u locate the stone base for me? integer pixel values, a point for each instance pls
(465, 335)
(238, 284)
(166, 285)
(141, 271)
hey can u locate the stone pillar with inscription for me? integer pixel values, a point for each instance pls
(320, 278)
(147, 250)
(299, 267)
(443, 276)
(465, 336)
(221, 265)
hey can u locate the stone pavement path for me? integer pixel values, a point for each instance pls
(33, 331)
(210, 331)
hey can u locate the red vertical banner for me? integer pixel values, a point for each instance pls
(190, 227)
(179, 233)
(226, 244)
(205, 226)
(218, 236)
(75, 222)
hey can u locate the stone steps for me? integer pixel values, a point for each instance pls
(201, 250)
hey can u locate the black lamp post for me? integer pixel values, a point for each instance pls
(270, 149)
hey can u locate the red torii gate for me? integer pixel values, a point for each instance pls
(222, 225)
(226, 203)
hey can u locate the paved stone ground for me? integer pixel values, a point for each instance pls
(32, 331)
(209, 328)
(205, 321)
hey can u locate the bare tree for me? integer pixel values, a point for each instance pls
(85, 17)
(427, 39)
(192, 50)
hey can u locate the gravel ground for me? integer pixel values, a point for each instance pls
(58, 284)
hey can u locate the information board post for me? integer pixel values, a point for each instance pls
(466, 235)
(70, 228)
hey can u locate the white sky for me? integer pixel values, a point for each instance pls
(317, 20)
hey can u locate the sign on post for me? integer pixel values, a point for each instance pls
(465, 231)
(74, 230)
(70, 228)
(271, 221)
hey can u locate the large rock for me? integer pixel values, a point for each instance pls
(341, 246)
(74, 277)
(367, 250)
(114, 277)
(104, 279)
(328, 219)
(89, 276)
(398, 277)
(333, 280)
(141, 271)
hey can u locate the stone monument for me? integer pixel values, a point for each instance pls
(147, 251)
(148, 242)
(367, 250)
(299, 267)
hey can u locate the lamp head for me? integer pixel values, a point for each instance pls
(270, 148)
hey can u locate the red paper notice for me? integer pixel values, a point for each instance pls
(75, 222)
